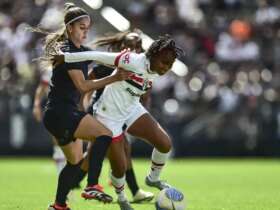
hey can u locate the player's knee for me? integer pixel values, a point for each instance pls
(165, 146)
(75, 160)
(119, 171)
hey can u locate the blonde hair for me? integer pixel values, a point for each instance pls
(54, 40)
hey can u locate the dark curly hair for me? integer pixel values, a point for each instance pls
(164, 43)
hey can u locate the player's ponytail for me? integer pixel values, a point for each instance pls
(68, 6)
(117, 42)
(54, 40)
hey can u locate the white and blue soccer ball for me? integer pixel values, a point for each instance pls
(170, 199)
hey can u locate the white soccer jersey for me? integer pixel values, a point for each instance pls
(120, 98)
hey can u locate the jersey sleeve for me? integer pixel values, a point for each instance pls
(126, 60)
(102, 57)
(129, 61)
(76, 65)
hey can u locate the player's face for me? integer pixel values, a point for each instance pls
(79, 30)
(162, 62)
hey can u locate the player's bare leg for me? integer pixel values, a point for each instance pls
(117, 157)
(147, 128)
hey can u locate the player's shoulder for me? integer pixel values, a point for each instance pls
(137, 56)
(65, 46)
(85, 48)
(134, 59)
(68, 46)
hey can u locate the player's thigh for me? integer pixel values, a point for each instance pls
(89, 128)
(117, 158)
(73, 151)
(147, 128)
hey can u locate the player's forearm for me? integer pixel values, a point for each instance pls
(102, 57)
(39, 94)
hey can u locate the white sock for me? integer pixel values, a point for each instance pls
(59, 158)
(158, 161)
(118, 184)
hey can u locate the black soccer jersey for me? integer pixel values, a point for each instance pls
(62, 88)
(99, 72)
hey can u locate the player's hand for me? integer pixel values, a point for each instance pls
(37, 113)
(122, 74)
(125, 50)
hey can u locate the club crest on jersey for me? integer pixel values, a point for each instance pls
(126, 59)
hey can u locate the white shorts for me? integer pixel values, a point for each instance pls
(116, 126)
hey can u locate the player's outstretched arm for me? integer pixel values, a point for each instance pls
(102, 57)
(125, 60)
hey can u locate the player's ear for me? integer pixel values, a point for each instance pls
(69, 28)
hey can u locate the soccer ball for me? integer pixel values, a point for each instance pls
(170, 199)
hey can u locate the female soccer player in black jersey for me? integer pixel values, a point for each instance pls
(63, 117)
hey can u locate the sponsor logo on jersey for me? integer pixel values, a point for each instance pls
(131, 92)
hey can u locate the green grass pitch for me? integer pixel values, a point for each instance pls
(208, 184)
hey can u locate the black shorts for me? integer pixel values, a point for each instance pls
(62, 122)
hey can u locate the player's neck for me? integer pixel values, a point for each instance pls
(76, 43)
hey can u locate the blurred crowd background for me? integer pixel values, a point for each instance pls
(226, 104)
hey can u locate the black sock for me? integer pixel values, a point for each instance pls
(131, 181)
(66, 180)
(80, 176)
(96, 157)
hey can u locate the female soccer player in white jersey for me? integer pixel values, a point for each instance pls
(115, 43)
(120, 104)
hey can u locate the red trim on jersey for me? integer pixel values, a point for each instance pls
(117, 60)
(137, 78)
(117, 138)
